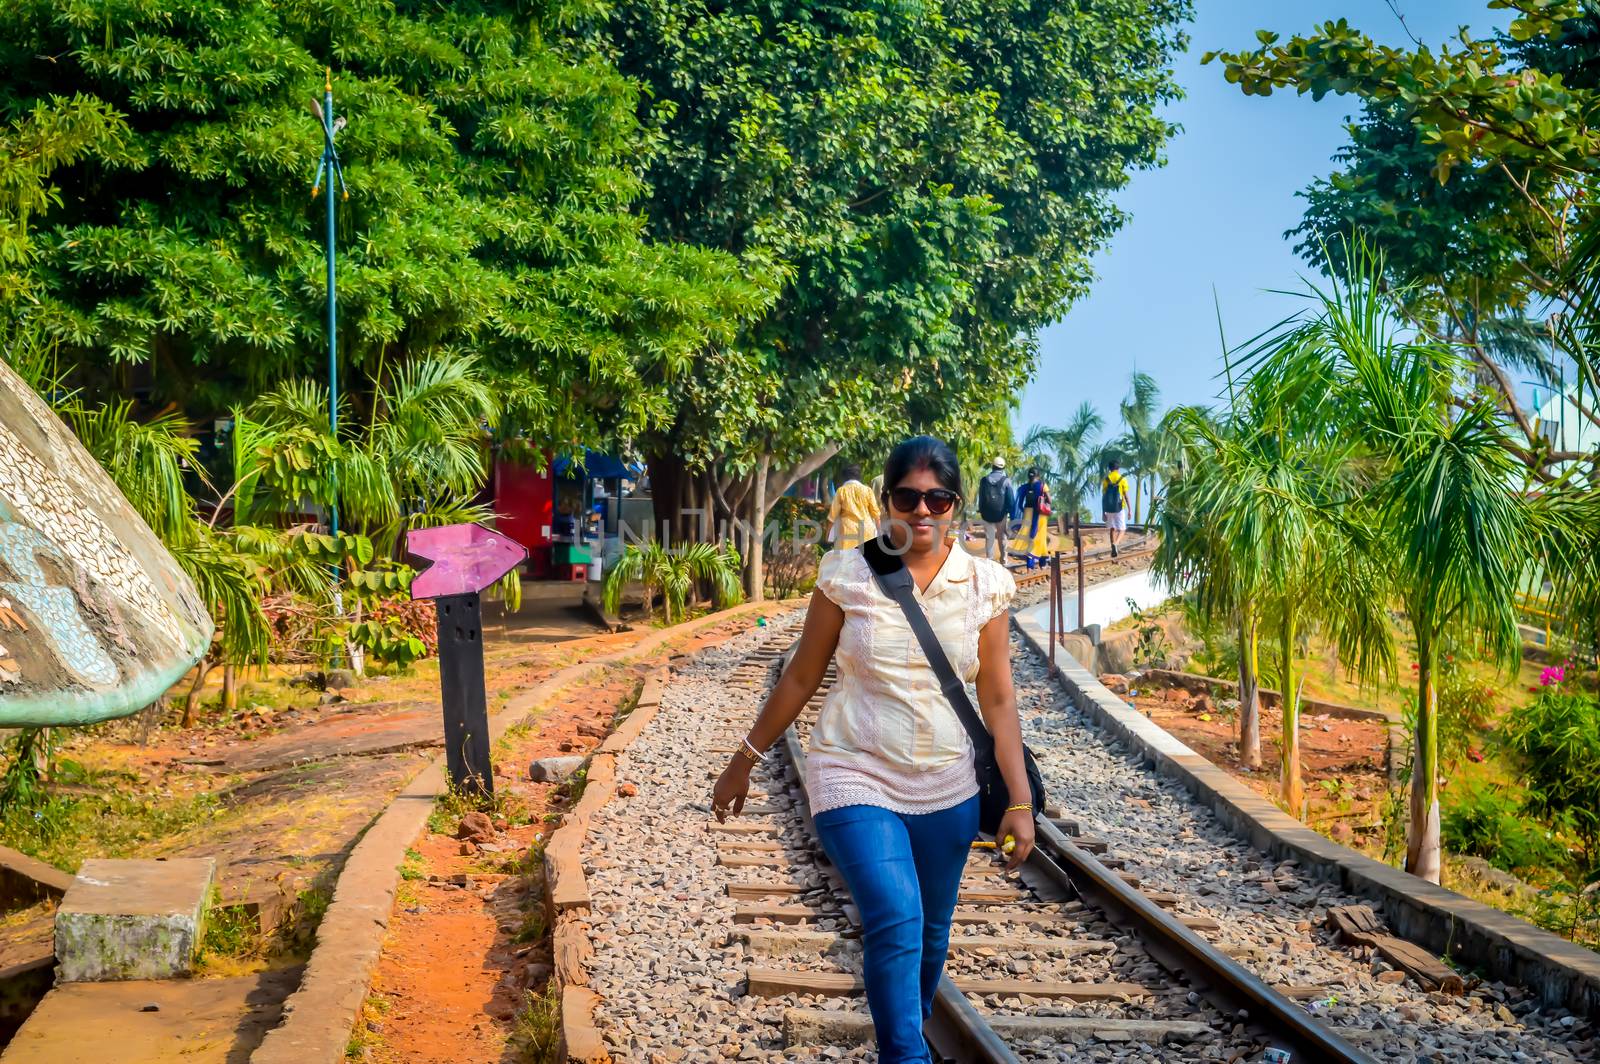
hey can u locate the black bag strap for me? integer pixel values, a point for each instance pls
(895, 580)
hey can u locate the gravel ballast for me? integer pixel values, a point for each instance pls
(669, 966)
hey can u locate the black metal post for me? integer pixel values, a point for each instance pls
(466, 713)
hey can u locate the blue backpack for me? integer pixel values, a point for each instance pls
(1111, 495)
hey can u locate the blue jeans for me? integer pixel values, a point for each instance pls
(904, 872)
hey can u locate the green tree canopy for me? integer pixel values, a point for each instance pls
(492, 154)
(1472, 169)
(931, 179)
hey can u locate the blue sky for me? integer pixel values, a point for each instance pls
(1214, 215)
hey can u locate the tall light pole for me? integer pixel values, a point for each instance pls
(330, 168)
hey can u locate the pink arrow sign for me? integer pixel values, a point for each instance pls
(466, 558)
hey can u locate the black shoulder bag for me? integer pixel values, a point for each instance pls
(993, 796)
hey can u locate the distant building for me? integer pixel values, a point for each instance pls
(1563, 425)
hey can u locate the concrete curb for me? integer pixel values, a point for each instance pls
(566, 895)
(1561, 973)
(25, 880)
(319, 1016)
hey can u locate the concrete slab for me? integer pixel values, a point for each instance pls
(197, 1021)
(353, 732)
(132, 919)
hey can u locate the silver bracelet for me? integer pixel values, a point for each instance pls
(757, 754)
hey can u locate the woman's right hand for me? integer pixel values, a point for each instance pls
(732, 786)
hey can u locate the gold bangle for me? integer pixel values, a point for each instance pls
(1022, 805)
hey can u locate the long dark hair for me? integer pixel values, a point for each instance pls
(923, 452)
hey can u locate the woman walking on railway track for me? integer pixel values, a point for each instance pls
(1034, 498)
(891, 771)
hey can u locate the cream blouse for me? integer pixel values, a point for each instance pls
(886, 735)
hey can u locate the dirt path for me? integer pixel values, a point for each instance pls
(467, 955)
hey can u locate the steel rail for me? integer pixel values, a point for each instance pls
(1214, 975)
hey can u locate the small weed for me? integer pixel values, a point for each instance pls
(363, 1036)
(1335, 788)
(533, 925)
(530, 866)
(413, 867)
(511, 737)
(575, 785)
(230, 930)
(1394, 811)
(537, 1030)
(455, 804)
(299, 930)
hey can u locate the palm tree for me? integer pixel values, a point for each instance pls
(1257, 522)
(1140, 445)
(148, 462)
(1443, 483)
(1224, 570)
(416, 460)
(1069, 453)
(672, 571)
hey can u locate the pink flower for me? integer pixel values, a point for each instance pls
(1552, 675)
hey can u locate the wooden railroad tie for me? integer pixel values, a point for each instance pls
(799, 914)
(1359, 926)
(740, 827)
(776, 982)
(838, 1028)
(798, 943)
(752, 891)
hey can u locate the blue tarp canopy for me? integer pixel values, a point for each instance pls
(596, 466)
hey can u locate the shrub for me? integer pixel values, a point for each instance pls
(1465, 707)
(1150, 648)
(792, 569)
(1487, 822)
(1557, 739)
(788, 513)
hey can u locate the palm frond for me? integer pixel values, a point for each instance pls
(147, 460)
(233, 583)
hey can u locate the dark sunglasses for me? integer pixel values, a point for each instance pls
(939, 500)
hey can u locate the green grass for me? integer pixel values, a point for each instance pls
(117, 820)
(363, 1036)
(530, 866)
(231, 931)
(536, 1034)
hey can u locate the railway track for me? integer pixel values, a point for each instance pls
(1069, 929)
(738, 941)
(1030, 582)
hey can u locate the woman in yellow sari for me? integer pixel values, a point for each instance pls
(1034, 499)
(853, 518)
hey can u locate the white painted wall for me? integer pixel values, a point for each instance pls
(1104, 604)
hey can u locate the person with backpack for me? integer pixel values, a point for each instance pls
(1034, 498)
(1114, 503)
(996, 497)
